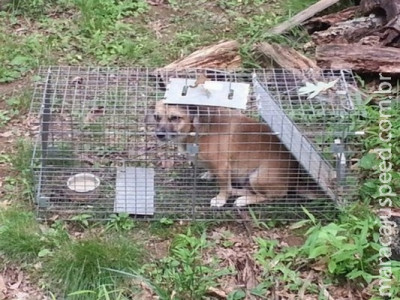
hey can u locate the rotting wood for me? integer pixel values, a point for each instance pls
(303, 16)
(361, 58)
(347, 32)
(274, 55)
(389, 10)
(224, 55)
(390, 34)
(324, 22)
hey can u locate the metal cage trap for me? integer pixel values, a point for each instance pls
(98, 153)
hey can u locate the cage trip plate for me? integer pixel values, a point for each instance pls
(134, 191)
(211, 93)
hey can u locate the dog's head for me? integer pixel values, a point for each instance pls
(173, 122)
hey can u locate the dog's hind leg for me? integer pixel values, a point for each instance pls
(265, 185)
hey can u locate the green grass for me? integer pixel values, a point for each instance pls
(85, 264)
(14, 107)
(20, 55)
(120, 33)
(20, 240)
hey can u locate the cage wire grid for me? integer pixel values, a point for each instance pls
(97, 153)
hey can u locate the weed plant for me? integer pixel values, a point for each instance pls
(183, 271)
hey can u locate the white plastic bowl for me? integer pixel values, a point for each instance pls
(83, 182)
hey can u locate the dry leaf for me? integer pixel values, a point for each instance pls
(200, 80)
(157, 27)
(22, 296)
(5, 203)
(19, 281)
(155, 2)
(249, 277)
(3, 287)
(167, 163)
(313, 90)
(77, 80)
(6, 134)
(38, 266)
(319, 266)
(220, 294)
(93, 113)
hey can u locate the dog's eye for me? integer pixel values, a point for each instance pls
(174, 118)
(157, 118)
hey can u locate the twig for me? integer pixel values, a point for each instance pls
(303, 15)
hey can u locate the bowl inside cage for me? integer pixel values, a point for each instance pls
(83, 182)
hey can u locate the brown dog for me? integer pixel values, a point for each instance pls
(234, 148)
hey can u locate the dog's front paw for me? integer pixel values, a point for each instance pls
(217, 202)
(241, 201)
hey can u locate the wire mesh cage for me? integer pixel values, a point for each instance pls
(110, 142)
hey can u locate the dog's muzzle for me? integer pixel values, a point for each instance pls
(164, 135)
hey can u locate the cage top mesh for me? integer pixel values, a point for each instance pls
(97, 153)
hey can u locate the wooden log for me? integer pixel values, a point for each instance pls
(274, 55)
(324, 22)
(224, 55)
(304, 15)
(389, 10)
(347, 32)
(361, 58)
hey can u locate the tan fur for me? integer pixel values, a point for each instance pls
(233, 147)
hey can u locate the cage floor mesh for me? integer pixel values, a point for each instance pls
(94, 120)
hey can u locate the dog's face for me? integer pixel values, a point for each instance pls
(173, 122)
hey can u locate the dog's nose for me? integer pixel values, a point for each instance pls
(161, 135)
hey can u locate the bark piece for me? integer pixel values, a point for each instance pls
(274, 55)
(224, 55)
